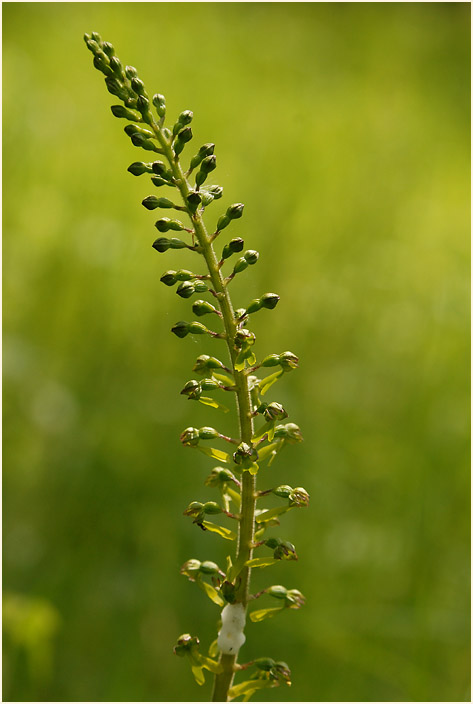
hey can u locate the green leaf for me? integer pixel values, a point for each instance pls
(271, 513)
(268, 381)
(267, 428)
(211, 592)
(261, 562)
(215, 454)
(262, 614)
(207, 401)
(220, 530)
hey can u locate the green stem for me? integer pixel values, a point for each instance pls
(244, 551)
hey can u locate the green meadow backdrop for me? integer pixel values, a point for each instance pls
(344, 128)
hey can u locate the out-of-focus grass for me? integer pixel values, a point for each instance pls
(344, 128)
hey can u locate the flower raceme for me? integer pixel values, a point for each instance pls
(181, 175)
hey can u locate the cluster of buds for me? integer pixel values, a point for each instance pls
(254, 447)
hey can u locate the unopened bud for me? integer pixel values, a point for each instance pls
(203, 308)
(205, 363)
(208, 164)
(130, 72)
(205, 150)
(251, 256)
(269, 300)
(138, 86)
(193, 201)
(165, 224)
(152, 202)
(277, 591)
(212, 508)
(190, 436)
(235, 245)
(208, 567)
(159, 103)
(283, 491)
(235, 211)
(240, 265)
(208, 433)
(139, 167)
(169, 278)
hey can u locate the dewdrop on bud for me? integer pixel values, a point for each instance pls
(231, 636)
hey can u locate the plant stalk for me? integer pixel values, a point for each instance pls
(223, 680)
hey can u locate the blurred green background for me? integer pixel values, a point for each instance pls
(344, 128)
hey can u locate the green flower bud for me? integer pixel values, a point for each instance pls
(152, 202)
(183, 137)
(117, 68)
(299, 497)
(142, 104)
(108, 48)
(235, 245)
(130, 72)
(203, 308)
(265, 664)
(184, 275)
(97, 38)
(167, 133)
(211, 508)
(209, 567)
(138, 86)
(272, 360)
(165, 224)
(272, 543)
(240, 265)
(139, 140)
(283, 491)
(195, 509)
(219, 476)
(277, 591)
(185, 118)
(235, 211)
(222, 222)
(196, 328)
(120, 111)
(158, 168)
(191, 569)
(208, 164)
(288, 361)
(190, 436)
(208, 433)
(254, 306)
(269, 300)
(164, 243)
(116, 88)
(138, 168)
(289, 432)
(209, 385)
(159, 103)
(159, 181)
(193, 201)
(186, 289)
(131, 130)
(192, 389)
(285, 551)
(102, 65)
(205, 363)
(251, 256)
(169, 278)
(205, 150)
